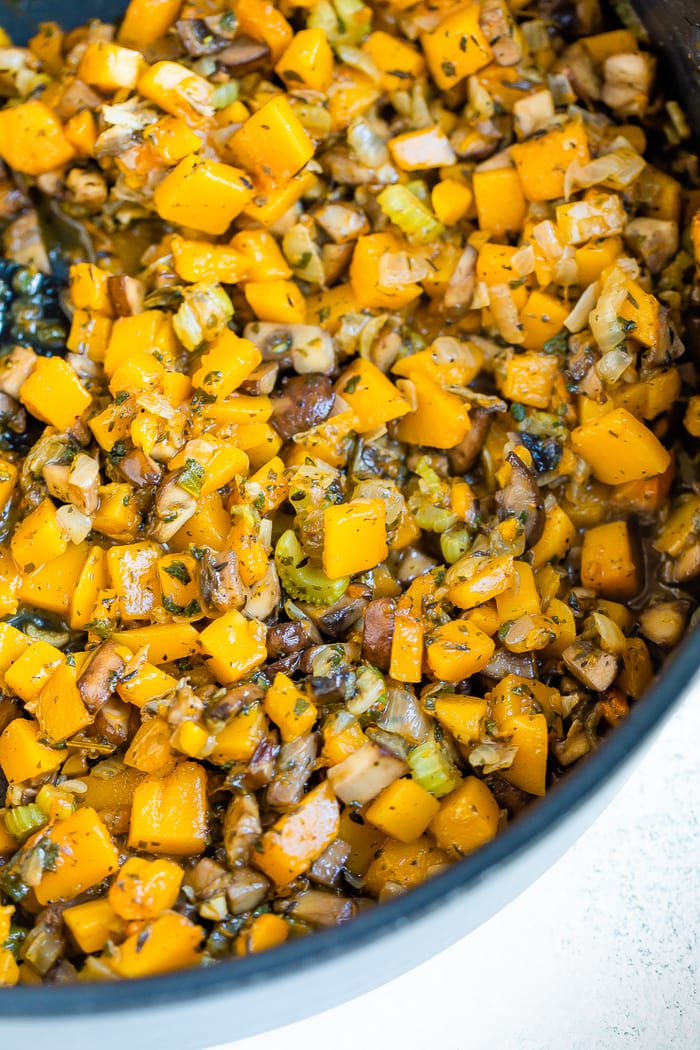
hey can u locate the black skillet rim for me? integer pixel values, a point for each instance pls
(234, 976)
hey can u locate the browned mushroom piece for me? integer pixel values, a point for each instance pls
(241, 827)
(336, 620)
(665, 622)
(522, 499)
(15, 368)
(286, 638)
(654, 241)
(140, 469)
(498, 26)
(295, 764)
(243, 56)
(99, 679)
(126, 294)
(378, 632)
(12, 415)
(304, 401)
(113, 721)
(261, 767)
(227, 703)
(262, 380)
(320, 908)
(199, 37)
(595, 668)
(464, 455)
(220, 583)
(245, 890)
(327, 869)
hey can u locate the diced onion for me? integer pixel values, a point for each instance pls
(505, 313)
(490, 757)
(604, 320)
(578, 318)
(613, 364)
(547, 236)
(369, 148)
(76, 524)
(523, 262)
(611, 637)
(400, 268)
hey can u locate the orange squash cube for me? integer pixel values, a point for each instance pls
(60, 710)
(169, 814)
(32, 139)
(170, 942)
(457, 47)
(142, 889)
(403, 810)
(22, 757)
(234, 646)
(289, 708)
(203, 194)
(294, 842)
(372, 397)
(457, 650)
(109, 67)
(354, 537)
(272, 144)
(85, 855)
(468, 818)
(54, 394)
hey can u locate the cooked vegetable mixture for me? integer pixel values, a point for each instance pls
(348, 471)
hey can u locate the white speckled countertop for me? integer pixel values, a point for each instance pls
(601, 953)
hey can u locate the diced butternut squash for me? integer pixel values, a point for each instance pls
(54, 394)
(60, 710)
(147, 20)
(133, 574)
(403, 810)
(150, 750)
(308, 60)
(468, 818)
(463, 716)
(227, 362)
(500, 203)
(529, 378)
(92, 924)
(170, 942)
(542, 319)
(169, 814)
(365, 275)
(22, 756)
(32, 668)
(398, 864)
(163, 641)
(52, 585)
(142, 889)
(294, 842)
(557, 537)
(440, 419)
(457, 650)
(85, 855)
(609, 563)
(542, 161)
(233, 646)
(619, 448)
(291, 711)
(239, 739)
(528, 733)
(32, 139)
(354, 537)
(457, 47)
(280, 302)
(109, 67)
(266, 931)
(372, 397)
(273, 144)
(203, 194)
(202, 261)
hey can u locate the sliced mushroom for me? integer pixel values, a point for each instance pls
(321, 909)
(140, 469)
(219, 579)
(225, 704)
(654, 241)
(172, 507)
(327, 869)
(86, 188)
(99, 679)
(245, 890)
(295, 764)
(198, 38)
(15, 368)
(665, 622)
(12, 415)
(578, 66)
(293, 637)
(243, 56)
(264, 597)
(464, 455)
(262, 380)
(522, 499)
(261, 767)
(499, 28)
(362, 775)
(595, 668)
(336, 620)
(24, 244)
(112, 721)
(378, 632)
(304, 402)
(126, 294)
(241, 827)
(503, 663)
(308, 348)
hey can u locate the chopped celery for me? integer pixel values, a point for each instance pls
(225, 94)
(433, 769)
(23, 821)
(301, 580)
(454, 543)
(408, 213)
(204, 312)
